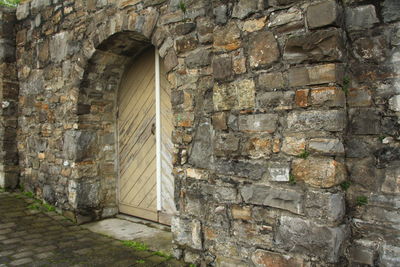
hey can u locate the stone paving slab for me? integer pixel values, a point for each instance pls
(34, 238)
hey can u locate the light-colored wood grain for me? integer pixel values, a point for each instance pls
(167, 181)
(136, 142)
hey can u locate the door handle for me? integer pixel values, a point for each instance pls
(153, 128)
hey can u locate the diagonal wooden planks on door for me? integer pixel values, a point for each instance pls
(137, 149)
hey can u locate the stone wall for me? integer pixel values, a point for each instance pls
(372, 138)
(9, 170)
(286, 121)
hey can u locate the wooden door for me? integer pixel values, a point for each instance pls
(137, 142)
(146, 185)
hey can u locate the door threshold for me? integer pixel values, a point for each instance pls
(148, 223)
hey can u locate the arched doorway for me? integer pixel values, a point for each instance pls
(144, 129)
(109, 106)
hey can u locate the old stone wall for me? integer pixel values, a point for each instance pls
(372, 138)
(286, 121)
(9, 170)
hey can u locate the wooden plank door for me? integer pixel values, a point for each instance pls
(136, 139)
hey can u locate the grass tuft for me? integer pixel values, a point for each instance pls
(136, 245)
(304, 154)
(182, 6)
(28, 194)
(9, 3)
(162, 254)
(34, 206)
(292, 179)
(361, 200)
(345, 185)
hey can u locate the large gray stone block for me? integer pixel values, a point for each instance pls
(285, 199)
(328, 120)
(304, 236)
(391, 10)
(258, 123)
(317, 46)
(361, 17)
(323, 14)
(244, 8)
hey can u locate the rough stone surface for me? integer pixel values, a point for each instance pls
(315, 46)
(329, 73)
(263, 50)
(283, 199)
(271, 80)
(258, 123)
(327, 146)
(390, 8)
(263, 258)
(262, 93)
(361, 17)
(244, 8)
(329, 120)
(323, 14)
(319, 172)
(227, 37)
(296, 233)
(236, 95)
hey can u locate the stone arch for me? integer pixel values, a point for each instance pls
(115, 47)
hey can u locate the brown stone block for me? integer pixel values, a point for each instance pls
(359, 97)
(328, 96)
(320, 74)
(186, 43)
(272, 80)
(241, 213)
(323, 14)
(326, 45)
(253, 25)
(236, 95)
(21, 37)
(220, 120)
(263, 49)
(258, 147)
(227, 37)
(319, 172)
(264, 258)
(184, 119)
(301, 98)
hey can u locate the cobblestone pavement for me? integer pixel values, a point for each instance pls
(29, 237)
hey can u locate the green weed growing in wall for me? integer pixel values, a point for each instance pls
(345, 185)
(182, 6)
(9, 3)
(346, 84)
(292, 179)
(304, 154)
(361, 200)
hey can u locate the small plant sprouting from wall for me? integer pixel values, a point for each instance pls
(345, 185)
(346, 84)
(304, 154)
(182, 6)
(9, 3)
(292, 179)
(361, 200)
